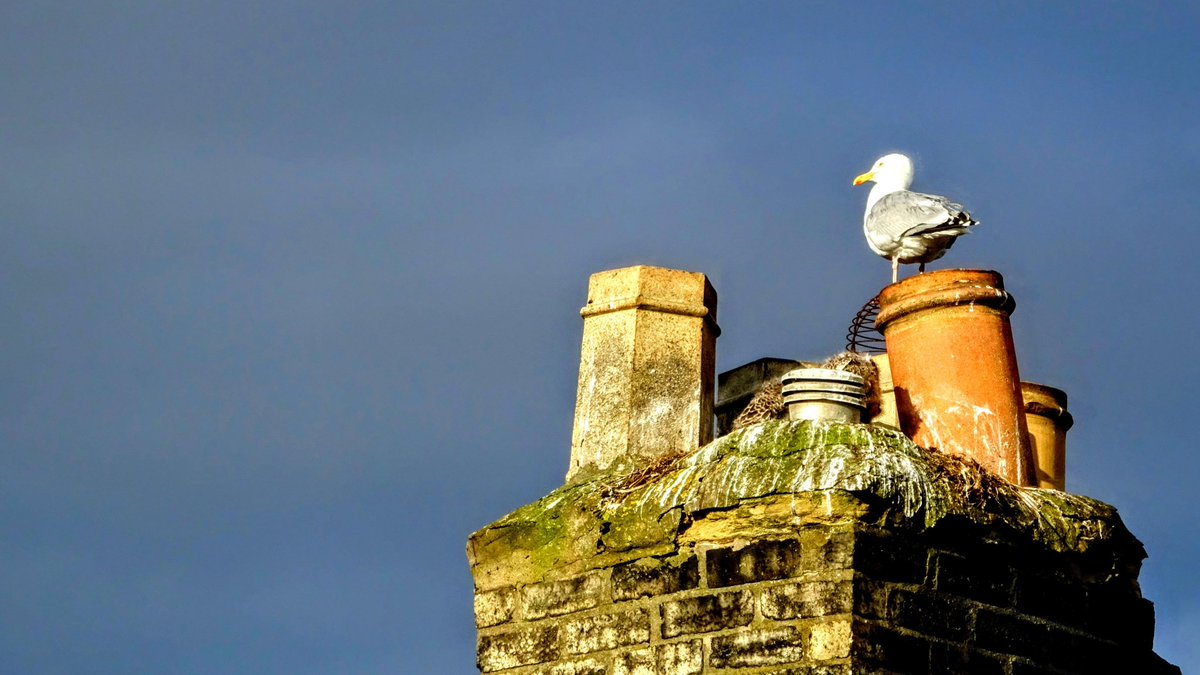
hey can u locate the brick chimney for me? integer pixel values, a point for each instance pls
(807, 547)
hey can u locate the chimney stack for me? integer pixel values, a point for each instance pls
(805, 546)
(647, 368)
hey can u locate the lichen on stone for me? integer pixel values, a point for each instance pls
(613, 518)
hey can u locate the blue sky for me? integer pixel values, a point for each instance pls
(291, 289)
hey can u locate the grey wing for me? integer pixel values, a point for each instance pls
(905, 214)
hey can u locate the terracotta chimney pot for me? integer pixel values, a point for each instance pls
(1048, 421)
(954, 368)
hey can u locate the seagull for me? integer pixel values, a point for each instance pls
(908, 227)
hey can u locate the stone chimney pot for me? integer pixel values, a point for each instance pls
(647, 368)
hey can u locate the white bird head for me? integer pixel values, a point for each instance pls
(892, 172)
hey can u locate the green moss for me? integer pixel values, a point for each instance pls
(610, 518)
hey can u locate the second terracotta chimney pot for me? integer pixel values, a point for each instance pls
(1048, 420)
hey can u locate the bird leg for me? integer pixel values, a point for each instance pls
(921, 269)
(895, 267)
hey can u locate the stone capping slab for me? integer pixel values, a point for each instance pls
(614, 519)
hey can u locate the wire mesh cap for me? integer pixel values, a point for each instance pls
(862, 337)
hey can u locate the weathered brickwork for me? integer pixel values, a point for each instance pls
(759, 561)
(782, 603)
(563, 597)
(651, 577)
(806, 599)
(795, 548)
(829, 601)
(762, 647)
(996, 609)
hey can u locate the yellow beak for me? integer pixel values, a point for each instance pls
(859, 180)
